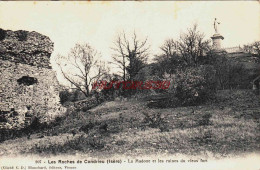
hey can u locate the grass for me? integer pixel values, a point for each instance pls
(227, 126)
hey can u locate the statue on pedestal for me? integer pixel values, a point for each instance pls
(216, 25)
(216, 38)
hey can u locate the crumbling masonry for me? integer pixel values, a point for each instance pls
(27, 82)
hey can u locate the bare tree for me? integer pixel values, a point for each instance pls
(169, 48)
(130, 55)
(192, 46)
(189, 50)
(169, 59)
(81, 67)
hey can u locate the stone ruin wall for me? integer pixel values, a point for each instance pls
(26, 78)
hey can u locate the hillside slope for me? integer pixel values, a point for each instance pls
(224, 127)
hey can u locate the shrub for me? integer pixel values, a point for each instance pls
(205, 120)
(230, 74)
(155, 120)
(67, 96)
(85, 128)
(3, 118)
(2, 34)
(194, 85)
(22, 35)
(96, 142)
(107, 93)
(64, 96)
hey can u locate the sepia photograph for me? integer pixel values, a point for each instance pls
(129, 85)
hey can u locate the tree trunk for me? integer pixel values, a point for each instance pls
(124, 68)
(86, 85)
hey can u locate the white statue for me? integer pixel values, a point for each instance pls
(216, 25)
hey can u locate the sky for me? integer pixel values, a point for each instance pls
(98, 23)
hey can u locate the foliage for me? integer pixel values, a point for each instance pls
(72, 95)
(64, 96)
(22, 35)
(2, 34)
(189, 51)
(167, 65)
(194, 85)
(229, 74)
(155, 120)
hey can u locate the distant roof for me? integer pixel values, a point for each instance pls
(237, 49)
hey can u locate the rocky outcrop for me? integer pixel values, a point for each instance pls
(25, 47)
(27, 82)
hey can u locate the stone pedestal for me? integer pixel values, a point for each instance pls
(217, 38)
